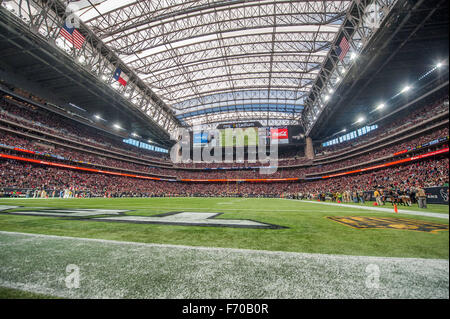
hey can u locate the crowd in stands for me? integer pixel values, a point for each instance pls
(30, 116)
(383, 152)
(388, 128)
(90, 159)
(430, 172)
(77, 139)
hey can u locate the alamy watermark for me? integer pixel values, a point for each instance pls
(373, 276)
(73, 276)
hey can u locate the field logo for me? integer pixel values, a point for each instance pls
(73, 278)
(360, 222)
(189, 219)
(373, 276)
(444, 195)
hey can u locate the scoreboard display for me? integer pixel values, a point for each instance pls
(246, 134)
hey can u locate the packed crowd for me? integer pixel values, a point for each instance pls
(388, 128)
(31, 116)
(430, 172)
(84, 157)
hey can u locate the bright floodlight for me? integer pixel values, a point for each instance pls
(439, 65)
(344, 130)
(360, 119)
(327, 97)
(117, 126)
(133, 134)
(381, 106)
(406, 89)
(97, 116)
(353, 56)
(331, 90)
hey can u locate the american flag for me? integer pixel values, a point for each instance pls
(72, 35)
(343, 48)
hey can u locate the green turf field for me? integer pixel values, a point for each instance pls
(307, 230)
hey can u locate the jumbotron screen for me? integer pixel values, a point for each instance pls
(243, 136)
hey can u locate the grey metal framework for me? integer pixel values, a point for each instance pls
(45, 19)
(203, 62)
(218, 61)
(363, 20)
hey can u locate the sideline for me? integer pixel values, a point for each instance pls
(381, 209)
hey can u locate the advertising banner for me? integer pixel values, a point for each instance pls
(279, 136)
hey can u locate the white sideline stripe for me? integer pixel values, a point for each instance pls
(36, 263)
(240, 250)
(400, 211)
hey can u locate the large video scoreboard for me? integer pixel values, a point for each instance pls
(246, 134)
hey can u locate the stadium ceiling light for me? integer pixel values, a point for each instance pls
(331, 90)
(327, 97)
(353, 56)
(405, 89)
(381, 106)
(81, 59)
(338, 79)
(343, 70)
(117, 126)
(360, 119)
(439, 65)
(344, 130)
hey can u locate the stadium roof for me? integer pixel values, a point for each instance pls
(219, 61)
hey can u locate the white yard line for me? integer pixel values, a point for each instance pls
(117, 269)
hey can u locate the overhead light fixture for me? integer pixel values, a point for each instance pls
(134, 134)
(344, 130)
(439, 65)
(360, 119)
(353, 55)
(327, 97)
(331, 90)
(381, 106)
(405, 89)
(117, 126)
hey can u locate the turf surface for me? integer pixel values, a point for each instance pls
(308, 230)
